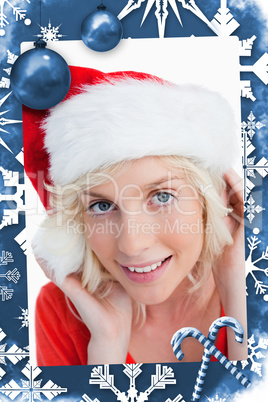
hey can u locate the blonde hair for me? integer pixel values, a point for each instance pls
(67, 205)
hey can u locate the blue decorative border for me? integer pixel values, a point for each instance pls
(20, 21)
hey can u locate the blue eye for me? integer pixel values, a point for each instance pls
(162, 197)
(101, 207)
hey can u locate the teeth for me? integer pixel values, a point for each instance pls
(131, 269)
(149, 268)
(138, 269)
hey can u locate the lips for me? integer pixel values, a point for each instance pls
(148, 273)
(147, 268)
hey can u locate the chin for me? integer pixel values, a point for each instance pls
(151, 298)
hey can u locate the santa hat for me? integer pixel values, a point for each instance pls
(107, 118)
(110, 117)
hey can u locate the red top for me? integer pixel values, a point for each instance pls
(62, 339)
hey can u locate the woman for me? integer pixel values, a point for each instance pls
(138, 237)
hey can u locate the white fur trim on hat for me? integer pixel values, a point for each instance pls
(129, 119)
(61, 251)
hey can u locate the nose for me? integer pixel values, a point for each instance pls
(137, 235)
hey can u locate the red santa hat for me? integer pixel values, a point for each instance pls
(110, 117)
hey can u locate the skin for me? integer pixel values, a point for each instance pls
(229, 272)
(132, 239)
(144, 222)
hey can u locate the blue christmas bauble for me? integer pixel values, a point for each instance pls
(101, 30)
(40, 78)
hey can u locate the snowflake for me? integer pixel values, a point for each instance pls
(14, 354)
(17, 11)
(251, 125)
(101, 376)
(248, 130)
(5, 82)
(31, 389)
(161, 12)
(223, 23)
(87, 399)
(50, 33)
(216, 399)
(6, 258)
(260, 68)
(255, 352)
(178, 398)
(11, 179)
(11, 58)
(246, 46)
(20, 157)
(4, 121)
(6, 293)
(246, 90)
(24, 318)
(23, 241)
(13, 275)
(251, 265)
(251, 209)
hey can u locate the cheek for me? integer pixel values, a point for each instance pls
(186, 219)
(185, 232)
(99, 238)
(189, 207)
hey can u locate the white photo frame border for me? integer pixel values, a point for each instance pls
(217, 69)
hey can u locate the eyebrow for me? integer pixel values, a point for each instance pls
(161, 181)
(146, 187)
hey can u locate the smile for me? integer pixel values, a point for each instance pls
(146, 274)
(148, 268)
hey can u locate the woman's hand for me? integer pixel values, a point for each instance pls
(108, 320)
(233, 198)
(229, 272)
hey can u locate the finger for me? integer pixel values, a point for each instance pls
(73, 289)
(235, 184)
(87, 305)
(235, 192)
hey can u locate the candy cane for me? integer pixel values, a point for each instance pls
(226, 322)
(213, 330)
(193, 332)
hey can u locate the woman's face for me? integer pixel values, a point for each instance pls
(145, 226)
